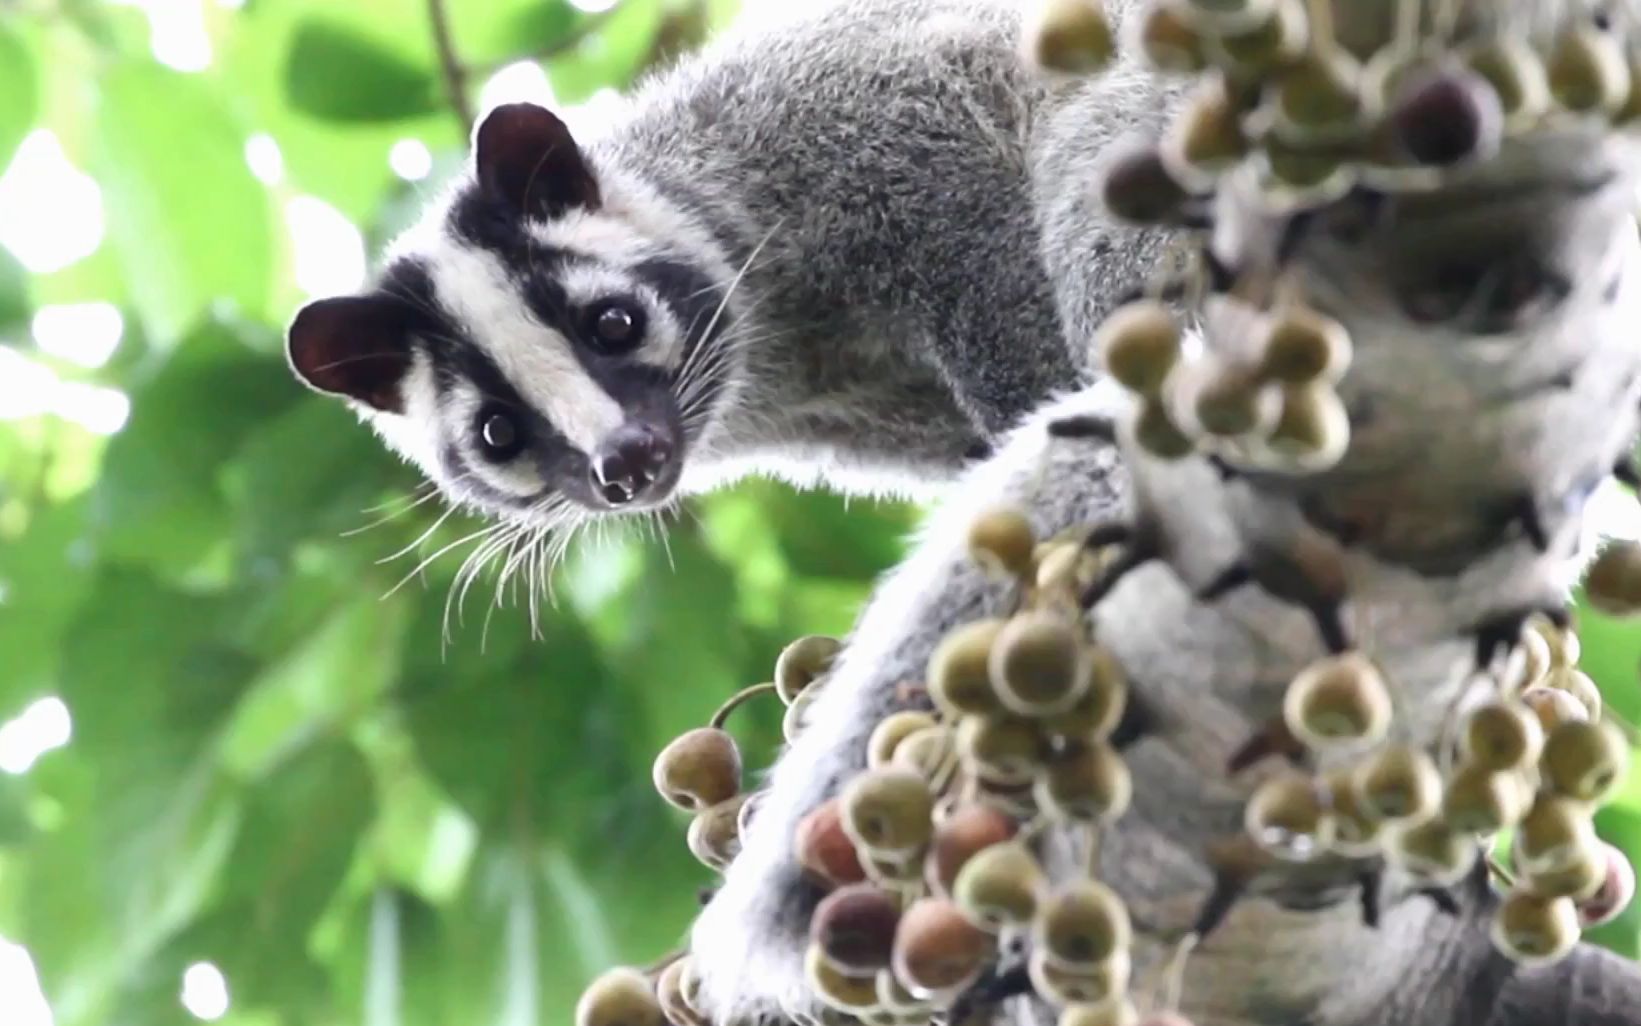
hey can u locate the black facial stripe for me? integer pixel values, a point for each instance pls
(691, 296)
(483, 222)
(408, 282)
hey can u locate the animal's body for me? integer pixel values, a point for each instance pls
(857, 247)
(858, 242)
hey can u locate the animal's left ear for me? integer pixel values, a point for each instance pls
(526, 156)
(353, 346)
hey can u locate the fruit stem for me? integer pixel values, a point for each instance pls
(1091, 857)
(1033, 831)
(1448, 751)
(1498, 869)
(1321, 12)
(720, 717)
(1407, 25)
(1446, 20)
(945, 775)
(1174, 980)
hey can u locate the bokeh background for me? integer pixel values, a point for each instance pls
(249, 770)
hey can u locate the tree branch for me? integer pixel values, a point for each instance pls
(450, 65)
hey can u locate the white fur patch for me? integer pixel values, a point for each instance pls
(411, 434)
(474, 286)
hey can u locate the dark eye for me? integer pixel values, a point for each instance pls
(500, 435)
(616, 327)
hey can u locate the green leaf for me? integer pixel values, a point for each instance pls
(537, 922)
(343, 163)
(159, 502)
(16, 826)
(652, 629)
(510, 30)
(131, 864)
(319, 685)
(337, 73)
(477, 719)
(191, 224)
(1612, 651)
(1621, 825)
(825, 535)
(19, 92)
(396, 964)
(46, 578)
(301, 830)
(311, 473)
(14, 292)
(612, 56)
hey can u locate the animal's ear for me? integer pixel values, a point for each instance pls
(526, 156)
(354, 346)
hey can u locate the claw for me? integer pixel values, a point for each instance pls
(1628, 472)
(1368, 883)
(1235, 862)
(1140, 549)
(1225, 471)
(1499, 635)
(1524, 510)
(1234, 577)
(1086, 427)
(1272, 740)
(1444, 900)
(1330, 624)
(1137, 722)
(991, 990)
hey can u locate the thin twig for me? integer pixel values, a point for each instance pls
(720, 717)
(450, 65)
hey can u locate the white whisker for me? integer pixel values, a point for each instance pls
(424, 564)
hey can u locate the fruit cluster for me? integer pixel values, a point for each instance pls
(1530, 761)
(1280, 412)
(931, 848)
(929, 856)
(1298, 118)
(1311, 115)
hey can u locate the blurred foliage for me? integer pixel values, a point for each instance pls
(275, 768)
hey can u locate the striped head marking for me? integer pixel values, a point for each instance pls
(540, 343)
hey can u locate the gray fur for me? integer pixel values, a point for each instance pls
(905, 198)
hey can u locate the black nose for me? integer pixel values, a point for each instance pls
(629, 462)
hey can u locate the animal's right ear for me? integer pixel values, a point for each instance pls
(526, 156)
(353, 346)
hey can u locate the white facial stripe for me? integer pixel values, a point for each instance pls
(535, 359)
(593, 233)
(411, 434)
